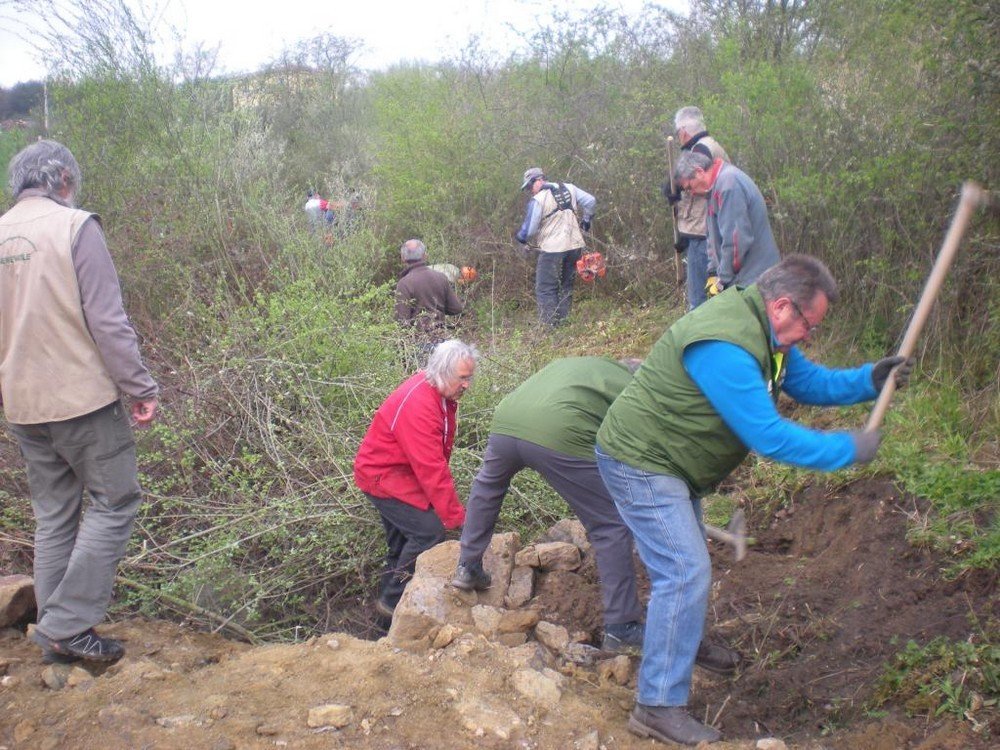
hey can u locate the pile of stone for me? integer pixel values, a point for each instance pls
(432, 613)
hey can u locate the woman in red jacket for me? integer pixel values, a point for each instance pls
(402, 464)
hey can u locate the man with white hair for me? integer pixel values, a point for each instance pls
(424, 296)
(551, 226)
(67, 354)
(402, 463)
(691, 209)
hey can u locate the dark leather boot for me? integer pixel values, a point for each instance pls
(670, 724)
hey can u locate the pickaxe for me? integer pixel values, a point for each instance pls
(734, 534)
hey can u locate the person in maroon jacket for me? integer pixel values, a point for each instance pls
(424, 297)
(402, 464)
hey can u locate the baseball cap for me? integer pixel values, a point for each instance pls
(531, 175)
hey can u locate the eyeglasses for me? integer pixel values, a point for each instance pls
(811, 328)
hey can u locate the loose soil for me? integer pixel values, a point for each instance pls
(828, 594)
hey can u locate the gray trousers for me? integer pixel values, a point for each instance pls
(579, 483)
(77, 551)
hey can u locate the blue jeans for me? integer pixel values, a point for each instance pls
(554, 276)
(697, 271)
(666, 524)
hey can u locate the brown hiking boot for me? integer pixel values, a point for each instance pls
(670, 724)
(717, 659)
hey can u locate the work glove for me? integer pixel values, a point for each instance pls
(585, 225)
(882, 368)
(713, 286)
(865, 445)
(672, 196)
(682, 244)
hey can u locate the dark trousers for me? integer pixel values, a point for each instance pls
(408, 532)
(579, 483)
(554, 277)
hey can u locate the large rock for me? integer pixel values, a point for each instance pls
(538, 687)
(485, 716)
(522, 587)
(430, 601)
(499, 562)
(330, 715)
(487, 619)
(568, 530)
(553, 636)
(17, 598)
(518, 620)
(530, 655)
(558, 556)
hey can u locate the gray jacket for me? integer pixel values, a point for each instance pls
(741, 245)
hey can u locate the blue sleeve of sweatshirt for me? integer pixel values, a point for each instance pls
(809, 383)
(532, 218)
(731, 380)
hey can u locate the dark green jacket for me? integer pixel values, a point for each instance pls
(561, 406)
(662, 422)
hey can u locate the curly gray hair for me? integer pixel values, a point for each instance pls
(444, 361)
(48, 165)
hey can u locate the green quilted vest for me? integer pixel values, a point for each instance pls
(662, 423)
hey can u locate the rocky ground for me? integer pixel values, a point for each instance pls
(828, 594)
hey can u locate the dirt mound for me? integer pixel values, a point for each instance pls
(830, 592)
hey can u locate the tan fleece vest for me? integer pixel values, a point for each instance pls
(50, 368)
(692, 210)
(558, 231)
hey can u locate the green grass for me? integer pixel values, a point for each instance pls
(960, 678)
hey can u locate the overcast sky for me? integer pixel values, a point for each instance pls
(252, 34)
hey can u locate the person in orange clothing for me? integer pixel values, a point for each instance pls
(402, 464)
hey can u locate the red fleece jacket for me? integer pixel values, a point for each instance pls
(405, 453)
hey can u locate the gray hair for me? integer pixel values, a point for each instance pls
(800, 278)
(689, 118)
(48, 165)
(412, 250)
(445, 358)
(690, 161)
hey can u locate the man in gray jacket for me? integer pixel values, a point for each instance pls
(741, 245)
(67, 353)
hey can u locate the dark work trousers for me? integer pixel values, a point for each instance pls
(76, 549)
(554, 277)
(408, 532)
(579, 483)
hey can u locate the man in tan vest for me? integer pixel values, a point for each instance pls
(67, 354)
(552, 228)
(692, 209)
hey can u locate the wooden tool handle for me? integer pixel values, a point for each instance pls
(972, 197)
